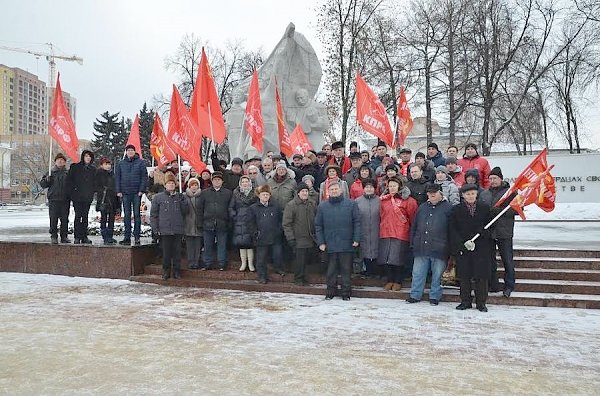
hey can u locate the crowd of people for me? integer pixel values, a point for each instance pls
(365, 211)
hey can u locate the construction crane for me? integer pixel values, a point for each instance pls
(50, 57)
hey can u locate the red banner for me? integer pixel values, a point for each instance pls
(62, 128)
(183, 134)
(159, 149)
(285, 145)
(206, 107)
(404, 122)
(253, 120)
(370, 112)
(535, 192)
(547, 190)
(299, 141)
(134, 136)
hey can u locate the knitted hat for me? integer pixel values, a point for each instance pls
(302, 186)
(451, 160)
(441, 168)
(237, 161)
(472, 145)
(130, 146)
(433, 145)
(497, 172)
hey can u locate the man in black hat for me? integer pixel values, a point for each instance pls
(338, 158)
(354, 172)
(131, 177)
(430, 245)
(380, 152)
(58, 199)
(502, 232)
(473, 262)
(353, 147)
(435, 155)
(213, 214)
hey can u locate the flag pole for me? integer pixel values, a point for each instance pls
(179, 171)
(50, 157)
(212, 136)
(488, 225)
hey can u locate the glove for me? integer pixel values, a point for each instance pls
(470, 245)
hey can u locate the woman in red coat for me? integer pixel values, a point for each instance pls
(398, 210)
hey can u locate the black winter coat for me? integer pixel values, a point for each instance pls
(131, 175)
(417, 189)
(266, 223)
(463, 226)
(213, 210)
(56, 183)
(81, 180)
(167, 213)
(239, 212)
(504, 227)
(105, 189)
(429, 230)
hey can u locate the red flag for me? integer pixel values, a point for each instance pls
(370, 112)
(62, 128)
(285, 144)
(536, 167)
(206, 108)
(183, 133)
(134, 136)
(404, 122)
(299, 141)
(159, 149)
(535, 192)
(253, 120)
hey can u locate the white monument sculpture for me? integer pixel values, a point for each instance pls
(294, 64)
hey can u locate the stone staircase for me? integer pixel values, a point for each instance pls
(545, 278)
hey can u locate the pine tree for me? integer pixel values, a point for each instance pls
(146, 124)
(106, 129)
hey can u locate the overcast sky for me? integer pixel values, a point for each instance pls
(124, 44)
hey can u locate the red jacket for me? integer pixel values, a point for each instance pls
(357, 190)
(479, 163)
(458, 177)
(346, 165)
(396, 217)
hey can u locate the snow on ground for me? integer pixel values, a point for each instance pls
(77, 335)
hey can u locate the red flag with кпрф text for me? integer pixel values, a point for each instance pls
(253, 120)
(285, 145)
(159, 149)
(404, 122)
(62, 128)
(184, 136)
(370, 112)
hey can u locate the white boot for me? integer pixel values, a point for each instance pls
(251, 260)
(244, 258)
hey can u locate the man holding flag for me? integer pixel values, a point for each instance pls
(130, 185)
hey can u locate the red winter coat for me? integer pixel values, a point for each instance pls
(479, 163)
(396, 216)
(357, 190)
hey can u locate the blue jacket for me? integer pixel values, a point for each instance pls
(437, 159)
(131, 175)
(429, 231)
(338, 224)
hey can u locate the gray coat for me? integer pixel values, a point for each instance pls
(167, 213)
(450, 191)
(192, 226)
(283, 192)
(299, 222)
(369, 224)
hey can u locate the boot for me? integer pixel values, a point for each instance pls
(388, 286)
(250, 253)
(64, 239)
(396, 287)
(104, 233)
(244, 259)
(54, 240)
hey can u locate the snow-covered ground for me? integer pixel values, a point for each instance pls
(65, 335)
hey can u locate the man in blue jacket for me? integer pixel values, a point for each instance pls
(337, 228)
(429, 240)
(130, 185)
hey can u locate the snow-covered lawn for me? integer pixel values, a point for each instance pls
(75, 335)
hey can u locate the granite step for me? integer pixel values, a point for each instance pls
(450, 295)
(556, 274)
(582, 263)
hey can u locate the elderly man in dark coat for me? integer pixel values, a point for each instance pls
(472, 258)
(299, 228)
(337, 226)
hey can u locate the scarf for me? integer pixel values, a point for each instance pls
(327, 182)
(471, 208)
